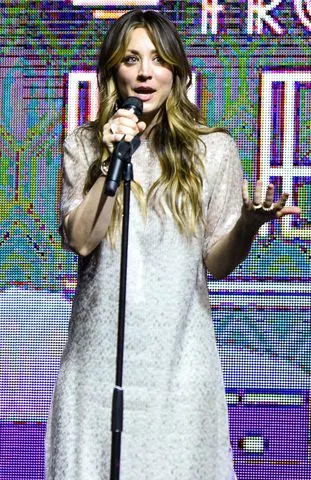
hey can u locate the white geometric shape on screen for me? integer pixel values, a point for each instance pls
(73, 96)
(114, 3)
(288, 170)
(281, 292)
(210, 7)
(192, 91)
(262, 16)
(75, 78)
(304, 20)
(33, 329)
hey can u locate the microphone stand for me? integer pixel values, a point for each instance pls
(117, 401)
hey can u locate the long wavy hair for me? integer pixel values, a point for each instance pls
(179, 125)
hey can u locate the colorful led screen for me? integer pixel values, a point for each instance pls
(252, 75)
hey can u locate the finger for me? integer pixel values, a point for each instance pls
(288, 211)
(122, 112)
(127, 122)
(245, 195)
(123, 129)
(112, 137)
(120, 136)
(108, 137)
(282, 201)
(141, 126)
(257, 197)
(128, 138)
(269, 196)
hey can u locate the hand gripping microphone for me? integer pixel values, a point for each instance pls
(123, 150)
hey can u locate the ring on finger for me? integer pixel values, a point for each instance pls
(268, 209)
(257, 206)
(112, 128)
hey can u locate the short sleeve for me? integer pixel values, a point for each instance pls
(78, 154)
(224, 188)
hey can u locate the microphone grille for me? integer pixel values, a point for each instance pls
(135, 104)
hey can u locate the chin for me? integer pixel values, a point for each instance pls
(152, 109)
(149, 109)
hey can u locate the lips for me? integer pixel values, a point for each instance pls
(145, 90)
(144, 93)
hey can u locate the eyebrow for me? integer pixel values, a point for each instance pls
(137, 52)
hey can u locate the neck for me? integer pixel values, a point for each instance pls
(150, 121)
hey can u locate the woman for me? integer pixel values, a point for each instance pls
(186, 217)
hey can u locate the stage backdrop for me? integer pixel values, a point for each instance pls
(251, 74)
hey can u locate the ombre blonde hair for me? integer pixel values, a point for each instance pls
(179, 125)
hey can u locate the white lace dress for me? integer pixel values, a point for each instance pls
(175, 417)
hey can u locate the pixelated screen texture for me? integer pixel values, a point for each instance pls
(251, 75)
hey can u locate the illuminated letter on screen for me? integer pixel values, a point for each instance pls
(287, 171)
(210, 7)
(304, 20)
(74, 81)
(262, 16)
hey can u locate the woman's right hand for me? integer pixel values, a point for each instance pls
(123, 123)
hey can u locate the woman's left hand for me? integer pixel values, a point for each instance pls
(256, 213)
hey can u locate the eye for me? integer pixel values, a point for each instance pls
(158, 59)
(130, 59)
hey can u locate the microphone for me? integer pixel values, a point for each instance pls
(123, 150)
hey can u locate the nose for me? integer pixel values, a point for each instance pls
(145, 69)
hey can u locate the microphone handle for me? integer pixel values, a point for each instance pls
(120, 153)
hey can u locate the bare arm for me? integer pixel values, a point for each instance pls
(231, 249)
(87, 224)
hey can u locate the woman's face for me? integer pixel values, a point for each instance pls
(143, 74)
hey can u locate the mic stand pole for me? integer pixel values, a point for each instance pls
(117, 402)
